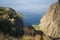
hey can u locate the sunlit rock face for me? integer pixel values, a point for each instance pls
(11, 22)
(50, 23)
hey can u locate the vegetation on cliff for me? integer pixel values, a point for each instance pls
(11, 22)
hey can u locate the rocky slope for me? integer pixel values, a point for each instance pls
(50, 23)
(29, 34)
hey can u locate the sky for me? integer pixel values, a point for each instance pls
(27, 5)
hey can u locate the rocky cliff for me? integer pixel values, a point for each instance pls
(50, 23)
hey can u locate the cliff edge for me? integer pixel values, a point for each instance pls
(50, 23)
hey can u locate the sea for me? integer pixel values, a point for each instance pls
(33, 18)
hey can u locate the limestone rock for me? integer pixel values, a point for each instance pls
(50, 23)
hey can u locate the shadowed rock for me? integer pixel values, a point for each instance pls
(59, 1)
(11, 22)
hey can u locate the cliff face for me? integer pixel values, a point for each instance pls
(50, 23)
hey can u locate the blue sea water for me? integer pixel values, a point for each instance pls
(32, 18)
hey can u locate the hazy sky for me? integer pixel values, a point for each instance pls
(27, 5)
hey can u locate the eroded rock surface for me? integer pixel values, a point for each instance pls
(50, 23)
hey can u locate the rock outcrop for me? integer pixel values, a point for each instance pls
(50, 23)
(11, 22)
